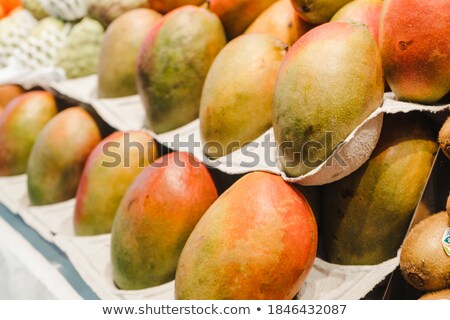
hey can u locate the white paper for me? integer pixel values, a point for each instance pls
(91, 258)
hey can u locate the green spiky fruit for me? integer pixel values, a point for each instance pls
(80, 55)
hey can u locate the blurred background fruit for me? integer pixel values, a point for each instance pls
(58, 157)
(119, 52)
(106, 11)
(20, 124)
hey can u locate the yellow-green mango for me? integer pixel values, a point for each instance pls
(20, 124)
(330, 81)
(281, 21)
(118, 56)
(58, 156)
(366, 214)
(173, 64)
(109, 171)
(236, 104)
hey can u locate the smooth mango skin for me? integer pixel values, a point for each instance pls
(257, 241)
(237, 15)
(281, 21)
(109, 171)
(155, 218)
(236, 104)
(119, 52)
(366, 214)
(329, 82)
(366, 11)
(318, 11)
(415, 48)
(7, 93)
(165, 6)
(173, 63)
(20, 124)
(58, 156)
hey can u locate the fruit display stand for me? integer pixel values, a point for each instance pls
(192, 85)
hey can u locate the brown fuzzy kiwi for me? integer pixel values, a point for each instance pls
(444, 138)
(437, 295)
(423, 261)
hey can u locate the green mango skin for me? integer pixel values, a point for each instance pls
(106, 178)
(257, 241)
(237, 15)
(173, 64)
(318, 11)
(366, 215)
(156, 217)
(20, 124)
(58, 156)
(119, 52)
(330, 81)
(235, 109)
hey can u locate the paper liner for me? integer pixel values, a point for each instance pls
(91, 258)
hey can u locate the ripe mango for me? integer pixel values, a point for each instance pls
(236, 104)
(366, 11)
(257, 241)
(318, 11)
(58, 156)
(366, 214)
(173, 64)
(415, 48)
(281, 21)
(165, 6)
(20, 124)
(155, 218)
(109, 171)
(330, 81)
(118, 56)
(237, 15)
(7, 93)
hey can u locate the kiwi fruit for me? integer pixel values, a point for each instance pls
(437, 295)
(423, 261)
(444, 138)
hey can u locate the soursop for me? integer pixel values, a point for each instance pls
(35, 8)
(80, 55)
(14, 30)
(106, 11)
(42, 47)
(67, 10)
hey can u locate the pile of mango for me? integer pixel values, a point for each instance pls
(305, 67)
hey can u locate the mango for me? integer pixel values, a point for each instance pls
(235, 108)
(165, 6)
(366, 11)
(324, 92)
(257, 241)
(366, 215)
(58, 156)
(281, 21)
(20, 124)
(155, 218)
(109, 171)
(7, 93)
(173, 63)
(318, 11)
(415, 49)
(237, 15)
(119, 50)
